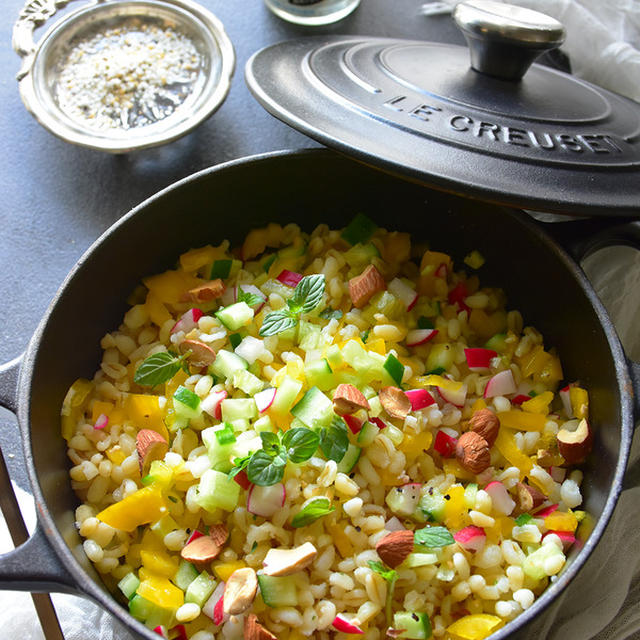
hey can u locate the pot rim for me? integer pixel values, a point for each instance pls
(90, 588)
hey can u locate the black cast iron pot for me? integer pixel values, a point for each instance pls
(310, 187)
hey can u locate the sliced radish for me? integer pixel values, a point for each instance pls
(479, 359)
(566, 537)
(181, 632)
(219, 615)
(546, 511)
(195, 534)
(289, 278)
(404, 292)
(242, 479)
(471, 538)
(502, 384)
(264, 399)
(187, 321)
(458, 295)
(445, 445)
(353, 422)
(500, 498)
(404, 500)
(101, 422)
(266, 501)
(212, 404)
(340, 623)
(441, 271)
(420, 398)
(420, 336)
(393, 524)
(565, 396)
(250, 288)
(453, 396)
(161, 631)
(209, 607)
(381, 424)
(519, 399)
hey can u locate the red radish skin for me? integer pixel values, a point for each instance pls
(565, 396)
(341, 624)
(456, 398)
(567, 538)
(289, 278)
(264, 399)
(416, 337)
(181, 632)
(441, 271)
(393, 524)
(471, 538)
(218, 612)
(214, 600)
(404, 292)
(479, 360)
(194, 536)
(458, 295)
(101, 422)
(420, 399)
(546, 511)
(212, 404)
(188, 321)
(381, 424)
(502, 501)
(445, 445)
(354, 423)
(266, 501)
(502, 384)
(242, 479)
(161, 631)
(520, 399)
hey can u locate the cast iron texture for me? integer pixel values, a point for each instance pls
(308, 187)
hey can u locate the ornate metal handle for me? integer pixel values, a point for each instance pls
(34, 14)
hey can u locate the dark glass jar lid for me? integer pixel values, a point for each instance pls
(489, 125)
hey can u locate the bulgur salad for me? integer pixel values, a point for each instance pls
(326, 435)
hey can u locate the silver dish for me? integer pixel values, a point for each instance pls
(166, 112)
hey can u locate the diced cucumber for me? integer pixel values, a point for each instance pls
(394, 434)
(533, 565)
(141, 608)
(417, 626)
(217, 491)
(200, 589)
(226, 363)
(185, 575)
(234, 340)
(235, 315)
(234, 408)
(350, 459)
(186, 403)
(498, 342)
(420, 559)
(247, 382)
(267, 261)
(129, 585)
(160, 473)
(318, 374)
(334, 356)
(286, 396)
(314, 408)
(240, 425)
(425, 323)
(278, 591)
(404, 500)
(367, 434)
(432, 505)
(219, 455)
(355, 356)
(245, 446)
(225, 268)
(263, 423)
(161, 618)
(224, 434)
(470, 493)
(375, 407)
(309, 335)
(361, 254)
(394, 368)
(165, 525)
(360, 229)
(440, 356)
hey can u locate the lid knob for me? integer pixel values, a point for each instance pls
(504, 39)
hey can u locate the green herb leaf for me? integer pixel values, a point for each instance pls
(307, 294)
(424, 323)
(364, 336)
(331, 314)
(277, 322)
(249, 298)
(270, 442)
(524, 518)
(239, 464)
(158, 368)
(390, 576)
(360, 229)
(334, 440)
(264, 469)
(433, 537)
(314, 510)
(301, 443)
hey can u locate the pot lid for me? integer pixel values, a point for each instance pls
(482, 122)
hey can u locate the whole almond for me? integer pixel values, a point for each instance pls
(205, 292)
(150, 446)
(206, 548)
(395, 402)
(240, 591)
(473, 452)
(487, 424)
(253, 630)
(394, 548)
(348, 399)
(363, 287)
(202, 355)
(528, 497)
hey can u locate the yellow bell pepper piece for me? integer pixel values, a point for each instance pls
(158, 313)
(559, 521)
(161, 592)
(170, 286)
(434, 259)
(116, 454)
(551, 372)
(453, 467)
(478, 405)
(197, 258)
(377, 346)
(455, 511)
(579, 402)
(438, 381)
(159, 563)
(72, 406)
(145, 413)
(486, 325)
(172, 385)
(506, 444)
(516, 419)
(223, 570)
(538, 404)
(475, 627)
(341, 540)
(414, 445)
(99, 408)
(141, 507)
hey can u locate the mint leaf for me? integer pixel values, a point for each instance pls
(334, 440)
(524, 518)
(390, 576)
(239, 464)
(314, 510)
(301, 443)
(331, 314)
(270, 442)
(307, 294)
(277, 322)
(264, 469)
(433, 537)
(250, 299)
(158, 368)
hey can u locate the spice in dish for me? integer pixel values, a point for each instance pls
(325, 434)
(131, 75)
